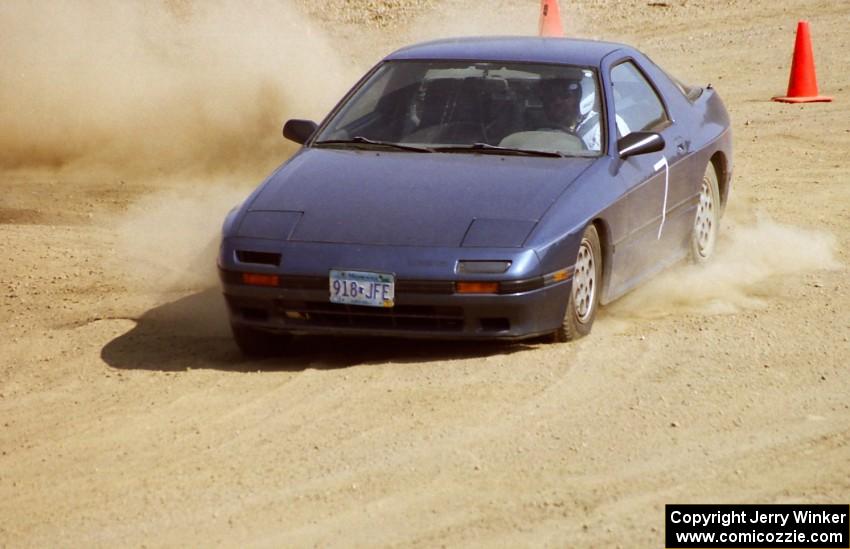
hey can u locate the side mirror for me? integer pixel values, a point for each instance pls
(640, 143)
(299, 130)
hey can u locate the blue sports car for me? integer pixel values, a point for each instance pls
(479, 188)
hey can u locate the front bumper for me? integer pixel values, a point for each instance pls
(416, 315)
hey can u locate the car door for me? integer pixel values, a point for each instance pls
(636, 105)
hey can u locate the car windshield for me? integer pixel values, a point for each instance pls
(476, 107)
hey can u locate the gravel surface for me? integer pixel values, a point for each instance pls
(128, 417)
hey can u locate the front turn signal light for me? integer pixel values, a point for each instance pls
(558, 276)
(477, 287)
(254, 279)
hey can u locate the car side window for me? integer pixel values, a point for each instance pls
(636, 105)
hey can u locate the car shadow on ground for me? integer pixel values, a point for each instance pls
(193, 333)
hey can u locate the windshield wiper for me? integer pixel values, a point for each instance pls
(493, 149)
(369, 143)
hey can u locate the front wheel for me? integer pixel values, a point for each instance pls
(584, 294)
(707, 219)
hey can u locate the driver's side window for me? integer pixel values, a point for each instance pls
(636, 105)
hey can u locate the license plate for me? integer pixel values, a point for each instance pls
(362, 288)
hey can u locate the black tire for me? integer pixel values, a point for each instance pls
(584, 292)
(257, 343)
(707, 218)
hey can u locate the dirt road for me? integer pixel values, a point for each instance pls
(128, 417)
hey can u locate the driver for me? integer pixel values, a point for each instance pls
(561, 98)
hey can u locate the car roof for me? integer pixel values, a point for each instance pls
(512, 48)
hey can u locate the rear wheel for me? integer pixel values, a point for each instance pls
(584, 294)
(707, 219)
(257, 343)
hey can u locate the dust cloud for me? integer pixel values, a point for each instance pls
(742, 275)
(185, 98)
(169, 240)
(146, 88)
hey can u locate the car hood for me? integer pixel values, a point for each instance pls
(408, 199)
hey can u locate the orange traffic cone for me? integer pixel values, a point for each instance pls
(550, 19)
(803, 84)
